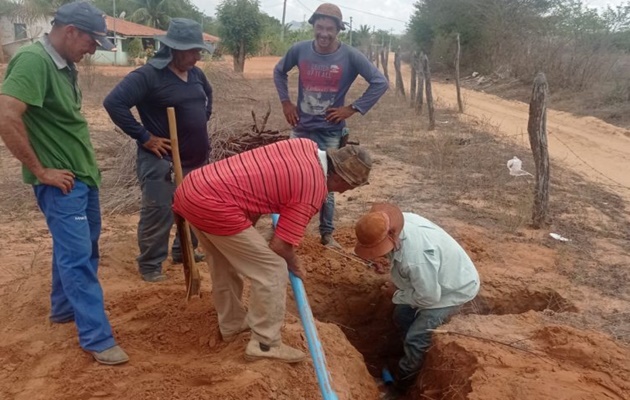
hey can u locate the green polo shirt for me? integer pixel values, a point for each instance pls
(38, 76)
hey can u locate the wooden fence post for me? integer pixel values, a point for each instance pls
(420, 91)
(427, 77)
(378, 57)
(537, 129)
(414, 80)
(384, 62)
(1, 54)
(460, 103)
(400, 85)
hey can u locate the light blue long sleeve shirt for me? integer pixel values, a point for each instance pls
(431, 270)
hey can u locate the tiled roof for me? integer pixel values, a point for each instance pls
(128, 28)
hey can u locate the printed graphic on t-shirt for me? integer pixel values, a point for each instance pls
(320, 85)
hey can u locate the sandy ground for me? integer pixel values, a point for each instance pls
(512, 342)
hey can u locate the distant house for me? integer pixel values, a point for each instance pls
(125, 32)
(15, 33)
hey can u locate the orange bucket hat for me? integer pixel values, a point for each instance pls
(378, 230)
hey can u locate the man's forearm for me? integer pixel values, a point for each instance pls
(13, 133)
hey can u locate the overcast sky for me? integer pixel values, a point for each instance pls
(381, 14)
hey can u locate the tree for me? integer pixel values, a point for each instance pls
(241, 29)
(30, 10)
(154, 13)
(361, 37)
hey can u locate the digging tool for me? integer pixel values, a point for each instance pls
(191, 272)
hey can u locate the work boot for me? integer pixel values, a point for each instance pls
(230, 337)
(257, 351)
(112, 356)
(329, 241)
(154, 276)
(178, 259)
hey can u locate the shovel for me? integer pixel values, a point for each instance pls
(191, 272)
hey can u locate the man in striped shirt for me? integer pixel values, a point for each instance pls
(222, 201)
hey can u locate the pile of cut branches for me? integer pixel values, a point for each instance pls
(229, 142)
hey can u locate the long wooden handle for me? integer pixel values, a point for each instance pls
(177, 161)
(191, 272)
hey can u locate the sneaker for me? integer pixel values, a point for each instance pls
(230, 337)
(153, 277)
(329, 241)
(112, 356)
(178, 259)
(257, 351)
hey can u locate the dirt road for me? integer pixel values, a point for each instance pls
(587, 145)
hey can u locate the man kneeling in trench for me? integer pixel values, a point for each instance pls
(431, 277)
(223, 200)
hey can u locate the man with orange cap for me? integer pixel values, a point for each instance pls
(327, 69)
(431, 273)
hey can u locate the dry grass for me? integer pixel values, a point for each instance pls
(608, 98)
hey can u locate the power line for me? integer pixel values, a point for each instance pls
(303, 6)
(365, 12)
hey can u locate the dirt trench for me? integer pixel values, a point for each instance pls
(346, 293)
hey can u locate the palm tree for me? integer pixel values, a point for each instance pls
(153, 13)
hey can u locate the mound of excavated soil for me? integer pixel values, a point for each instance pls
(535, 361)
(175, 347)
(177, 353)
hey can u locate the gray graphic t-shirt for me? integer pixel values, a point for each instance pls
(324, 80)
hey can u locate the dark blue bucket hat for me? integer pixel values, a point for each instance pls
(184, 34)
(86, 17)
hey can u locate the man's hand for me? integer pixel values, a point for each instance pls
(59, 178)
(290, 112)
(336, 115)
(158, 146)
(297, 269)
(286, 251)
(388, 289)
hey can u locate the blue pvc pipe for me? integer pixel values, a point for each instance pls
(308, 322)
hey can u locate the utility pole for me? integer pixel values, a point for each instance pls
(350, 35)
(284, 13)
(115, 42)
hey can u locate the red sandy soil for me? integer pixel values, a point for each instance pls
(510, 343)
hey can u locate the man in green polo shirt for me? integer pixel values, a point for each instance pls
(42, 125)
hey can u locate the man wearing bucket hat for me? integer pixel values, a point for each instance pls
(170, 79)
(43, 127)
(224, 199)
(327, 69)
(431, 273)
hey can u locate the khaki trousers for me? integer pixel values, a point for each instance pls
(247, 253)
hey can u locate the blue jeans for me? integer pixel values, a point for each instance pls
(325, 140)
(414, 323)
(74, 221)
(156, 214)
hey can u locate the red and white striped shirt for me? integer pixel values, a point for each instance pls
(285, 177)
